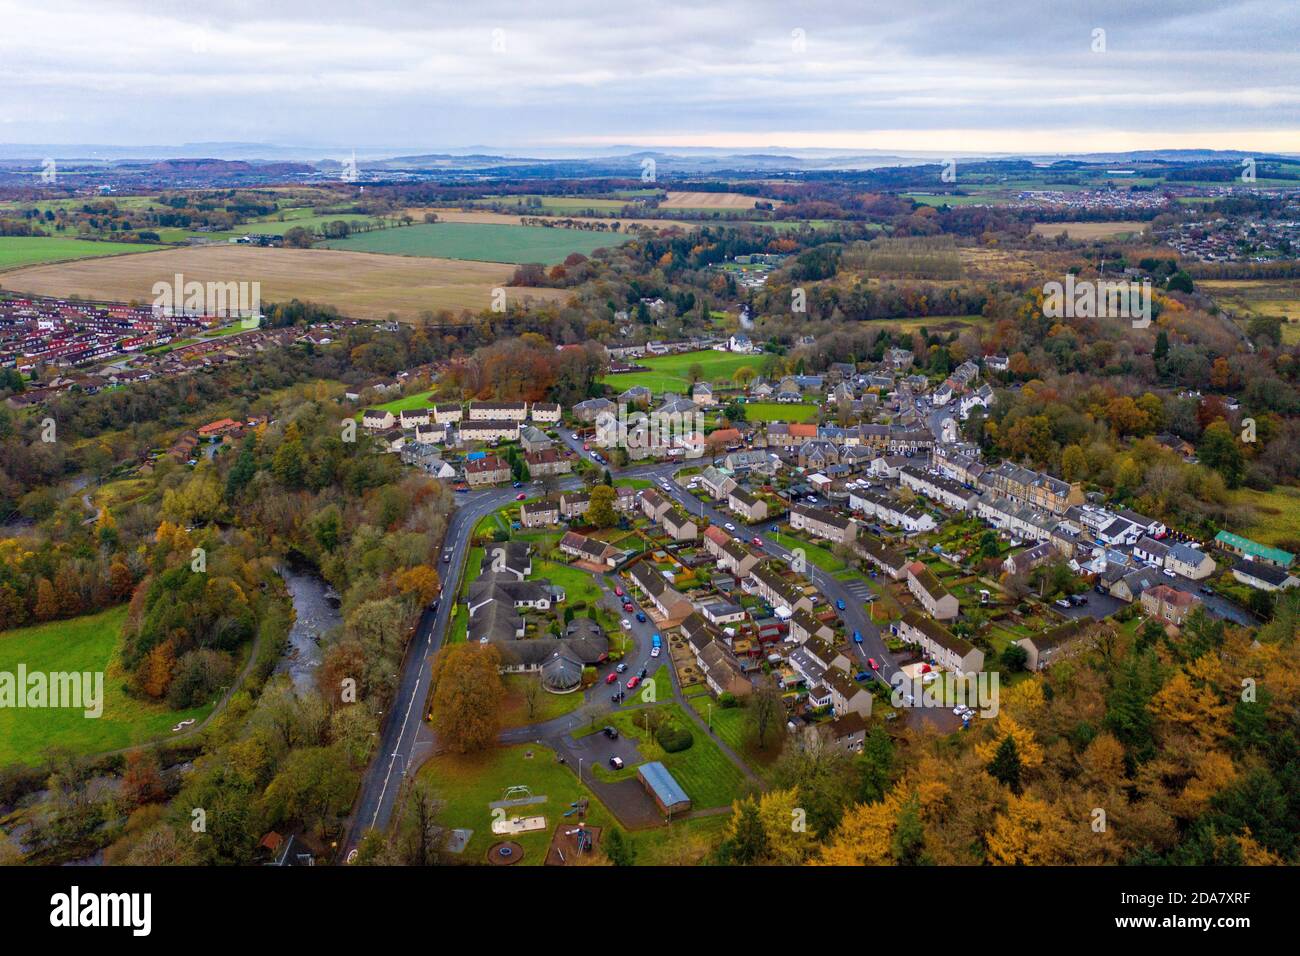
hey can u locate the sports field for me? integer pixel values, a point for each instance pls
(480, 242)
(87, 643)
(360, 285)
(19, 251)
(670, 373)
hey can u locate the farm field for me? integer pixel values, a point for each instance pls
(87, 643)
(480, 242)
(512, 219)
(1247, 298)
(361, 285)
(670, 373)
(556, 203)
(19, 251)
(1089, 230)
(945, 199)
(695, 200)
(778, 412)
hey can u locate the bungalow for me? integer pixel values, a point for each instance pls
(582, 548)
(947, 649)
(490, 588)
(937, 600)
(1264, 576)
(537, 514)
(508, 557)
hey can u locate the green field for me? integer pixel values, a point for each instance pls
(561, 204)
(777, 412)
(481, 242)
(17, 251)
(87, 643)
(1276, 514)
(670, 373)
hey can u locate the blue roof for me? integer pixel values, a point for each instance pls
(657, 777)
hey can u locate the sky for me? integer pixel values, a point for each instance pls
(954, 76)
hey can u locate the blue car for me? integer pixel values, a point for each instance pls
(857, 637)
(839, 605)
(640, 616)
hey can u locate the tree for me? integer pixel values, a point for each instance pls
(1006, 764)
(619, 850)
(601, 512)
(420, 582)
(765, 705)
(467, 694)
(1014, 657)
(1219, 450)
(746, 841)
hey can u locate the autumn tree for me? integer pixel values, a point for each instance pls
(466, 698)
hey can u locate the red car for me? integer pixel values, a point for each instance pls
(872, 662)
(618, 591)
(631, 684)
(520, 497)
(627, 606)
(611, 678)
(758, 542)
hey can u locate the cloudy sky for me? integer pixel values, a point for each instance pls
(944, 75)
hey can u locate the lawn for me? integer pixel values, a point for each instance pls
(87, 643)
(736, 729)
(777, 412)
(514, 711)
(16, 251)
(819, 556)
(578, 585)
(709, 778)
(670, 373)
(480, 242)
(1276, 514)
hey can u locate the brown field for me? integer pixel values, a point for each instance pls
(502, 219)
(685, 200)
(361, 285)
(1090, 230)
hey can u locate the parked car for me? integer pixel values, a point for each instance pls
(729, 526)
(640, 616)
(574, 436)
(758, 542)
(618, 591)
(616, 763)
(633, 681)
(1206, 589)
(1169, 574)
(627, 606)
(839, 605)
(521, 496)
(857, 637)
(611, 677)
(516, 484)
(654, 651)
(610, 732)
(644, 671)
(871, 662)
(1062, 602)
(621, 667)
(627, 625)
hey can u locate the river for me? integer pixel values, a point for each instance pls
(316, 609)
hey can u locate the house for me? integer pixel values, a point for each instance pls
(873, 504)
(742, 463)
(1129, 586)
(702, 394)
(533, 439)
(670, 603)
(448, 413)
(488, 470)
(720, 613)
(372, 420)
(732, 556)
(537, 514)
(574, 504)
(414, 417)
(654, 505)
(545, 413)
(489, 429)
(678, 525)
(637, 395)
(507, 557)
(503, 589)
(847, 733)
(944, 491)
(1030, 558)
(1055, 644)
(582, 548)
(818, 453)
(1189, 562)
(593, 408)
(1168, 604)
(822, 524)
(515, 412)
(227, 426)
(1246, 548)
(803, 626)
(937, 600)
(847, 696)
(547, 462)
(947, 649)
(748, 506)
(768, 582)
(716, 483)
(1264, 576)
(1151, 551)
(873, 550)
(1032, 488)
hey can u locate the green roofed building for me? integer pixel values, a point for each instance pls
(1253, 549)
